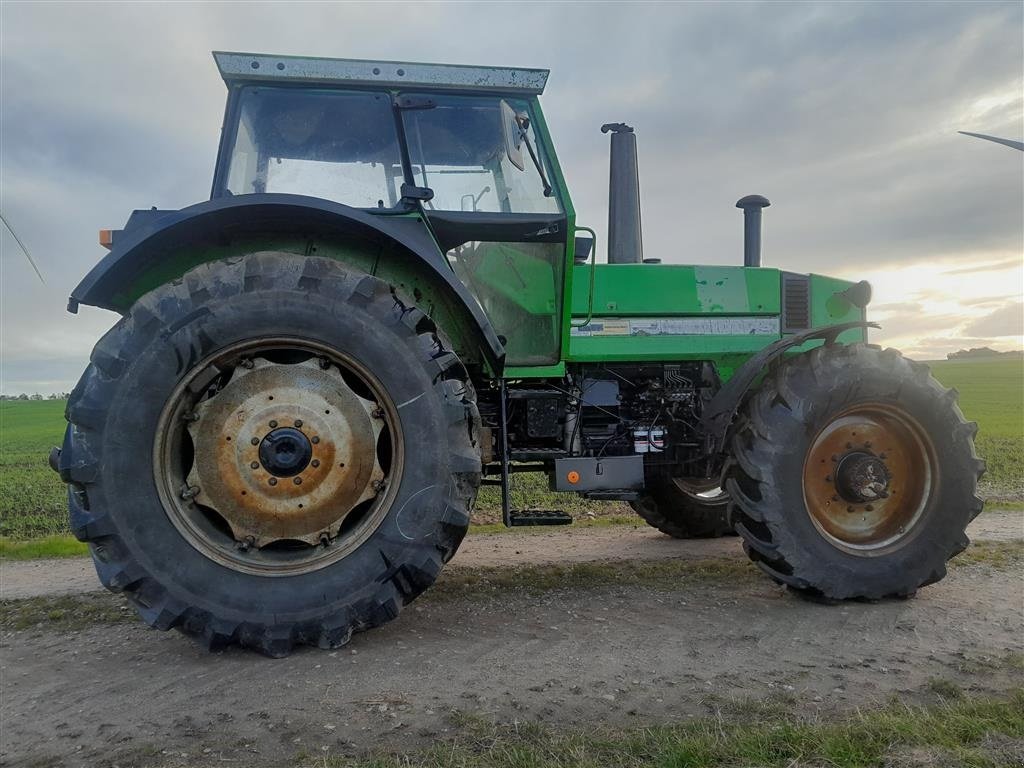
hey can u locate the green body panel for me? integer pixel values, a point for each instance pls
(654, 290)
(710, 299)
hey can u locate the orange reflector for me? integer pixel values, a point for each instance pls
(107, 238)
(573, 477)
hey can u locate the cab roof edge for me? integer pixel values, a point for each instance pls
(248, 67)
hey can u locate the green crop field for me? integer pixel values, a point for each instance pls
(32, 501)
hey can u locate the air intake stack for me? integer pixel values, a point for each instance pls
(625, 244)
(752, 205)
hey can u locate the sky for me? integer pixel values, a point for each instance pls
(843, 115)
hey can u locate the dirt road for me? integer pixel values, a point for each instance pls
(624, 656)
(34, 578)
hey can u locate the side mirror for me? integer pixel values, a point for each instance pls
(513, 135)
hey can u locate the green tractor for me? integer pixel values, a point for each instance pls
(387, 302)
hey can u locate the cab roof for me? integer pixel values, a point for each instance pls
(261, 67)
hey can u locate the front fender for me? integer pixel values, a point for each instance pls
(721, 410)
(152, 245)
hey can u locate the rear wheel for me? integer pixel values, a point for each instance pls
(853, 474)
(685, 509)
(246, 453)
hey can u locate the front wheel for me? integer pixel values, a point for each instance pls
(853, 474)
(270, 451)
(685, 509)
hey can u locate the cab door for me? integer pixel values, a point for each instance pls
(495, 213)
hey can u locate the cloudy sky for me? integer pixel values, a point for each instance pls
(844, 115)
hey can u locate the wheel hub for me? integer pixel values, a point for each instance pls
(868, 475)
(862, 477)
(285, 452)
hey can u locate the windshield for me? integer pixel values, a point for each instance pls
(458, 149)
(338, 145)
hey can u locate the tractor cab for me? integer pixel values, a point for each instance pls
(465, 148)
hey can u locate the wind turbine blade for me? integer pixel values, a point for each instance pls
(23, 248)
(1006, 142)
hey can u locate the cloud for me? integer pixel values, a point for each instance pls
(844, 115)
(1005, 321)
(998, 265)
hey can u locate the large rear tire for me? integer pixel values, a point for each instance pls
(853, 474)
(269, 524)
(684, 510)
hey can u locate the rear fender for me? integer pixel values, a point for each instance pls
(398, 249)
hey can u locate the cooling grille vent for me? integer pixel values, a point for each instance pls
(796, 302)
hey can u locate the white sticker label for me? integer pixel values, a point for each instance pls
(680, 326)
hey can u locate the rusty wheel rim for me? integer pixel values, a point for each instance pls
(278, 457)
(868, 478)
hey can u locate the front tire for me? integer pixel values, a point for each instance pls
(853, 474)
(231, 547)
(685, 510)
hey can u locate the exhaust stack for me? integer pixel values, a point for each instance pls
(625, 243)
(752, 205)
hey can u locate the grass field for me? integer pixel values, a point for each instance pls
(32, 500)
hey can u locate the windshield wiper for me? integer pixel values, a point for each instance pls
(524, 123)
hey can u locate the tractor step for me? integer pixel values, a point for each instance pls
(519, 517)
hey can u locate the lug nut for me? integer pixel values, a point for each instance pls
(255, 465)
(190, 492)
(272, 481)
(245, 543)
(298, 422)
(378, 413)
(247, 363)
(378, 485)
(297, 481)
(273, 423)
(314, 440)
(255, 441)
(315, 462)
(324, 363)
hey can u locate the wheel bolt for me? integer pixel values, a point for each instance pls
(247, 363)
(315, 462)
(297, 481)
(378, 485)
(378, 413)
(314, 440)
(324, 363)
(298, 422)
(255, 441)
(273, 423)
(255, 465)
(272, 481)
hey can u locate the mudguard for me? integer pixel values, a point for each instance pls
(719, 413)
(152, 236)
